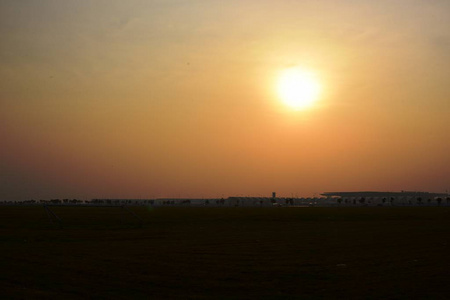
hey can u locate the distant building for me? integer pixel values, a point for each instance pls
(403, 198)
(424, 195)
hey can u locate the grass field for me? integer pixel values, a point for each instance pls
(226, 253)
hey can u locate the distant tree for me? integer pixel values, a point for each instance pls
(339, 200)
(419, 200)
(439, 200)
(429, 201)
(392, 200)
(362, 200)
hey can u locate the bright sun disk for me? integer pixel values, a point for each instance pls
(297, 88)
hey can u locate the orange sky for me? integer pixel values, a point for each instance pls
(144, 99)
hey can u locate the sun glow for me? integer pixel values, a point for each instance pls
(297, 88)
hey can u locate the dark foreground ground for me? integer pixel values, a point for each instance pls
(226, 253)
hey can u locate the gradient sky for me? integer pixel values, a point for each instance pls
(144, 99)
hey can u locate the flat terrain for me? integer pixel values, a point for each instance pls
(223, 253)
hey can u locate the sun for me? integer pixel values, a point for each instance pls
(298, 88)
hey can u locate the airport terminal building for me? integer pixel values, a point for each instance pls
(403, 198)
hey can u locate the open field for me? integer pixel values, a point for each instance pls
(359, 252)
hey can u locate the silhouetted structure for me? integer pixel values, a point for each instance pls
(384, 194)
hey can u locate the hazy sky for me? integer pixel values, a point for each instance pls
(143, 99)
